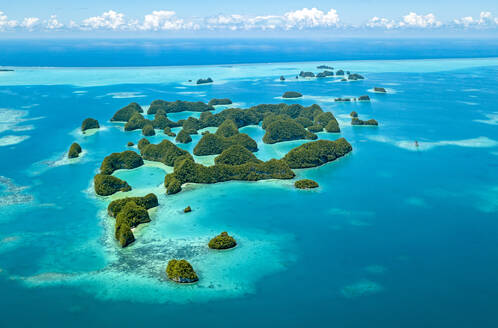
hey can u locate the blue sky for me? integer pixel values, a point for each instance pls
(257, 17)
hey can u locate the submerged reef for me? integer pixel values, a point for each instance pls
(305, 184)
(181, 271)
(222, 241)
(106, 185)
(125, 113)
(204, 81)
(317, 153)
(89, 123)
(219, 101)
(183, 137)
(292, 94)
(127, 159)
(74, 150)
(186, 170)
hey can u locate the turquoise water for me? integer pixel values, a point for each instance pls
(395, 235)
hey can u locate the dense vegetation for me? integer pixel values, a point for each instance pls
(236, 155)
(168, 132)
(178, 106)
(106, 185)
(165, 152)
(125, 113)
(219, 101)
(317, 153)
(213, 144)
(148, 130)
(130, 216)
(183, 137)
(227, 129)
(89, 123)
(186, 170)
(284, 128)
(181, 271)
(74, 150)
(222, 241)
(127, 159)
(148, 201)
(357, 121)
(305, 184)
(291, 94)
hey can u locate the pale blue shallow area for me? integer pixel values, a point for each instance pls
(396, 236)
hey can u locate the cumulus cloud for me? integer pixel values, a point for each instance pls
(52, 23)
(485, 19)
(382, 22)
(414, 20)
(164, 20)
(30, 23)
(110, 20)
(5, 22)
(309, 18)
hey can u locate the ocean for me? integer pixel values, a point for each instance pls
(396, 235)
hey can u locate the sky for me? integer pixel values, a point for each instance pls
(92, 18)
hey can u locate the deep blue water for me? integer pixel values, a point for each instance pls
(160, 52)
(394, 236)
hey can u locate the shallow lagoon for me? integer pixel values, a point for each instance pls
(392, 233)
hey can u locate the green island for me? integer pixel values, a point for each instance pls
(148, 130)
(355, 77)
(236, 155)
(306, 74)
(181, 271)
(316, 153)
(324, 67)
(178, 106)
(339, 73)
(380, 90)
(89, 123)
(357, 121)
(353, 114)
(325, 74)
(219, 101)
(215, 143)
(222, 241)
(167, 131)
(283, 128)
(204, 81)
(305, 184)
(291, 94)
(74, 150)
(164, 152)
(183, 137)
(187, 209)
(106, 185)
(363, 98)
(125, 113)
(127, 159)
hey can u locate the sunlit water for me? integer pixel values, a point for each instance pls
(396, 235)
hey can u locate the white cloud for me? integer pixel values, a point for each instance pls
(30, 23)
(53, 23)
(5, 23)
(485, 19)
(164, 20)
(109, 20)
(382, 22)
(414, 20)
(309, 18)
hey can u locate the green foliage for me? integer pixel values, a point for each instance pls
(304, 121)
(127, 159)
(74, 150)
(183, 137)
(236, 155)
(147, 202)
(124, 234)
(178, 106)
(291, 94)
(165, 152)
(187, 209)
(317, 153)
(305, 184)
(353, 114)
(186, 170)
(357, 121)
(213, 144)
(106, 185)
(161, 121)
(137, 121)
(181, 271)
(168, 132)
(222, 241)
(221, 101)
(315, 128)
(227, 129)
(332, 126)
(132, 215)
(284, 128)
(89, 123)
(125, 113)
(148, 130)
(191, 125)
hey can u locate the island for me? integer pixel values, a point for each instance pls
(221, 101)
(106, 185)
(148, 130)
(165, 152)
(130, 144)
(236, 155)
(74, 150)
(305, 184)
(283, 128)
(282, 78)
(317, 153)
(124, 114)
(325, 74)
(89, 123)
(148, 201)
(168, 132)
(363, 98)
(222, 241)
(353, 114)
(130, 216)
(181, 271)
(340, 73)
(306, 74)
(291, 94)
(342, 99)
(324, 67)
(187, 209)
(183, 137)
(178, 106)
(355, 77)
(315, 128)
(127, 159)
(380, 90)
(357, 121)
(204, 81)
